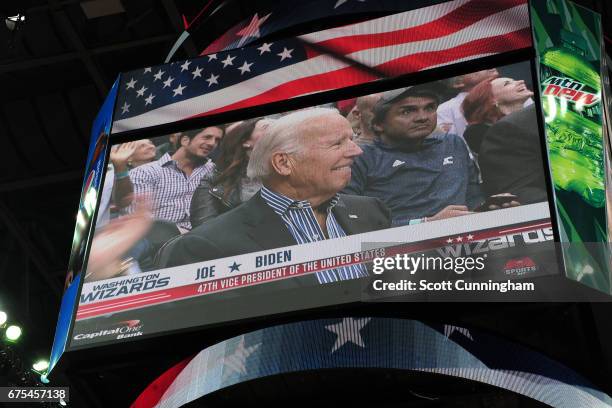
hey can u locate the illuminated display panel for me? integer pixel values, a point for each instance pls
(568, 41)
(188, 238)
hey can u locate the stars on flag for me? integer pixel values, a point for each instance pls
(180, 81)
(125, 108)
(131, 84)
(141, 91)
(197, 72)
(185, 65)
(178, 90)
(228, 61)
(212, 79)
(291, 61)
(149, 99)
(158, 75)
(348, 331)
(246, 67)
(235, 363)
(252, 29)
(265, 47)
(285, 54)
(168, 82)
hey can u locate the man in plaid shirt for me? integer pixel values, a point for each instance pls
(169, 182)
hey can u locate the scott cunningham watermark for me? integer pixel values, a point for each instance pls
(416, 269)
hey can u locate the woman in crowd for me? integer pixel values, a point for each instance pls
(229, 186)
(490, 101)
(144, 153)
(123, 158)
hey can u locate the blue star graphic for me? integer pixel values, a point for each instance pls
(235, 267)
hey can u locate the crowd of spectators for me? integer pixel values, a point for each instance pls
(426, 152)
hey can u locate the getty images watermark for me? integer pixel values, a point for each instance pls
(411, 265)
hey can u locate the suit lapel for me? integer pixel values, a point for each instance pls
(266, 228)
(350, 221)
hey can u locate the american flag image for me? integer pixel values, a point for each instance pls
(331, 59)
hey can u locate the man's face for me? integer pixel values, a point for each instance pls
(324, 166)
(204, 142)
(412, 118)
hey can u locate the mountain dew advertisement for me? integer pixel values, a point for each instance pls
(568, 44)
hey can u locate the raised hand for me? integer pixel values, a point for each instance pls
(120, 155)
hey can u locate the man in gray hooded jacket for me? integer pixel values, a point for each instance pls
(421, 173)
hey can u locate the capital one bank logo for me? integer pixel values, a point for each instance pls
(120, 330)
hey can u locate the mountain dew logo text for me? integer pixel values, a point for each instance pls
(569, 89)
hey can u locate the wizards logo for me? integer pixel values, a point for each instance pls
(573, 91)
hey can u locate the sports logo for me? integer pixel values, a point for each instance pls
(520, 267)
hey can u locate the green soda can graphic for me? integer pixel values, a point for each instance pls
(571, 93)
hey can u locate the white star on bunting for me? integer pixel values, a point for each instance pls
(125, 108)
(348, 331)
(185, 66)
(212, 57)
(246, 67)
(141, 91)
(228, 61)
(285, 54)
(178, 90)
(265, 47)
(212, 80)
(197, 72)
(130, 84)
(158, 75)
(168, 82)
(236, 362)
(149, 99)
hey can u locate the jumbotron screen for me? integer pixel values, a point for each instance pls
(309, 208)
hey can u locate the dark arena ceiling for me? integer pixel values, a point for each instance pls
(55, 71)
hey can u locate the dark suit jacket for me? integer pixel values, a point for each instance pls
(511, 158)
(254, 226)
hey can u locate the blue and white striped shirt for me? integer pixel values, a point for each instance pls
(300, 220)
(169, 188)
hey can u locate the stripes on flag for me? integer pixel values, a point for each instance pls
(394, 45)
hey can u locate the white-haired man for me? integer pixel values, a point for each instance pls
(303, 161)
